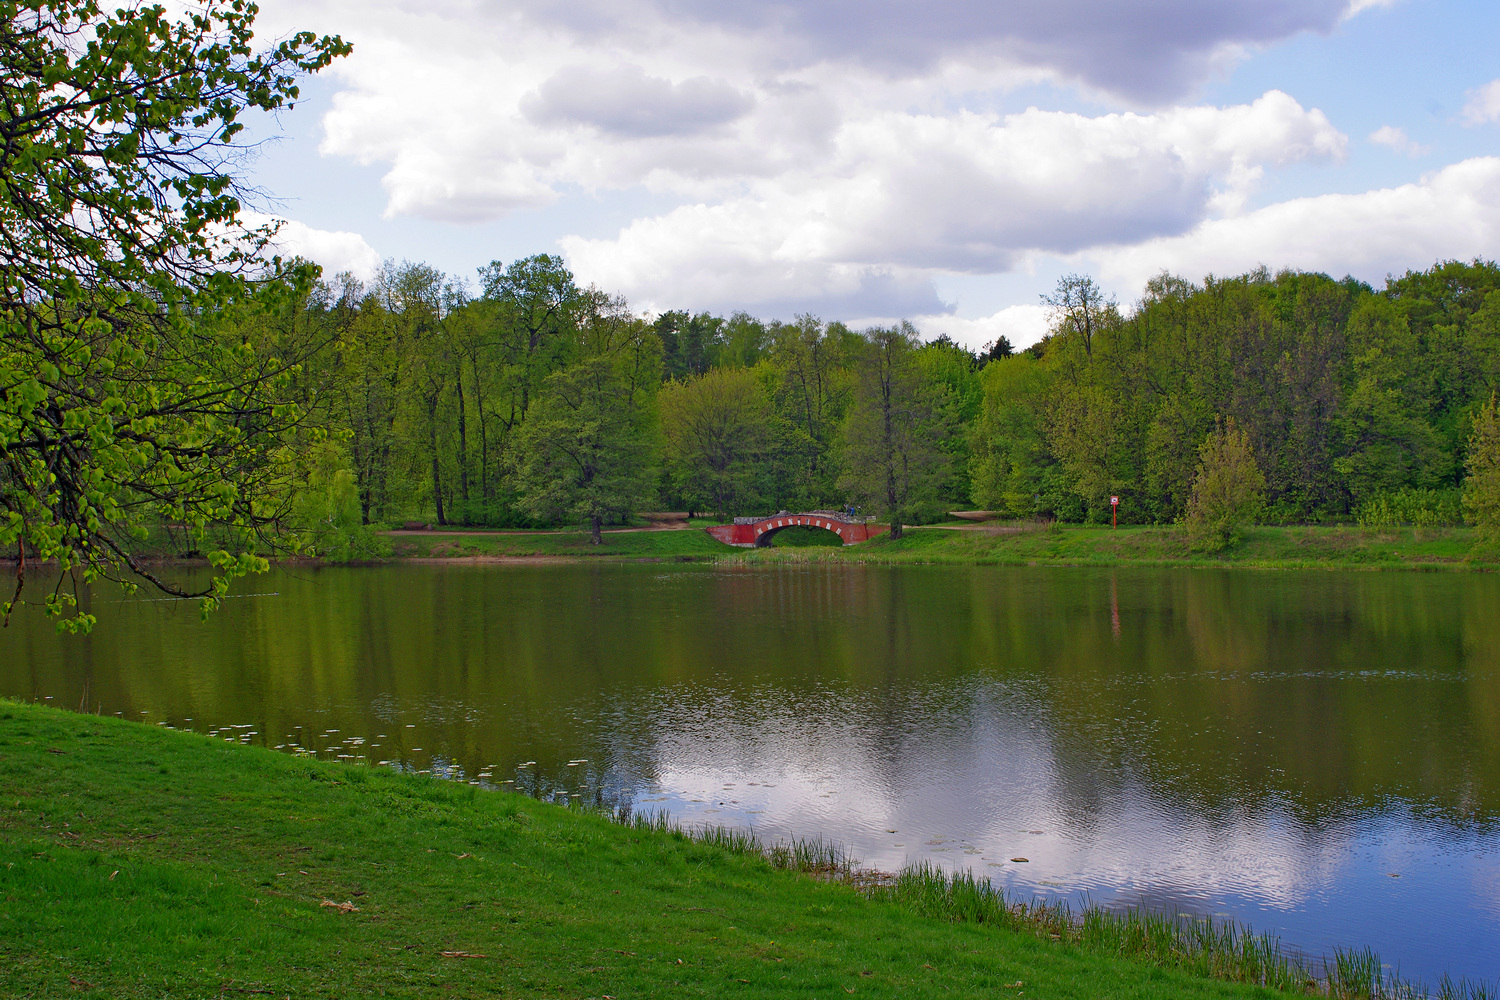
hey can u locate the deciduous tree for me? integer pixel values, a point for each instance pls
(587, 446)
(119, 226)
(1228, 491)
(897, 425)
(716, 429)
(1482, 487)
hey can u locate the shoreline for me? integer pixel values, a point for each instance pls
(1301, 547)
(140, 860)
(1266, 548)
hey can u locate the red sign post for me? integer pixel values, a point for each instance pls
(1114, 512)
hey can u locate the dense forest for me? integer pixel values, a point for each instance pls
(530, 401)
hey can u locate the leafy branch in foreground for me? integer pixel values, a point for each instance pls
(119, 236)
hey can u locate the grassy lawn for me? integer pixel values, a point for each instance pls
(141, 862)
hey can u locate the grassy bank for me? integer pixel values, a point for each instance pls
(690, 543)
(1267, 547)
(136, 861)
(1272, 547)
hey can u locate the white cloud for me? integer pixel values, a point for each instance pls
(899, 196)
(1450, 213)
(821, 154)
(335, 251)
(1397, 139)
(1357, 6)
(483, 109)
(1022, 325)
(1483, 105)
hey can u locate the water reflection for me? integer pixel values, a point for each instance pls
(1316, 753)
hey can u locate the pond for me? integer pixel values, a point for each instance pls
(1315, 753)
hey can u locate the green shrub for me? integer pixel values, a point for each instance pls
(1481, 495)
(1418, 507)
(1228, 490)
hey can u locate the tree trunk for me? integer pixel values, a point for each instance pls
(595, 524)
(895, 528)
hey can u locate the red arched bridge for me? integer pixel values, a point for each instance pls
(752, 532)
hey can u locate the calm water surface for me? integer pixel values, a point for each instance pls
(1317, 754)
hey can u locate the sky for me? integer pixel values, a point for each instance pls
(877, 160)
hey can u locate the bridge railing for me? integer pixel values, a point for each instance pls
(831, 515)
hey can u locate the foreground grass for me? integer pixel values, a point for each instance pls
(136, 861)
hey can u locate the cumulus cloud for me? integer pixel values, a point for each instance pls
(1483, 105)
(821, 153)
(1022, 325)
(482, 110)
(734, 256)
(1397, 139)
(912, 194)
(1450, 213)
(336, 251)
(627, 102)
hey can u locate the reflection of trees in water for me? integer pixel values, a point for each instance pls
(1327, 694)
(1341, 698)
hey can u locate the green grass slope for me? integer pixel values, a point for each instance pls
(136, 862)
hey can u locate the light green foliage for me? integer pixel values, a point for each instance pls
(1422, 508)
(587, 448)
(716, 428)
(897, 425)
(745, 340)
(118, 226)
(953, 373)
(811, 369)
(325, 511)
(1482, 487)
(1014, 472)
(1228, 491)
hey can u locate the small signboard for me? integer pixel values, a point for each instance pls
(1114, 501)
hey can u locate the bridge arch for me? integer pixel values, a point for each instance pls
(757, 532)
(766, 532)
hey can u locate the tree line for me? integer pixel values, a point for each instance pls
(528, 400)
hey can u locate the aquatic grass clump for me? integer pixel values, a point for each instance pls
(1216, 948)
(811, 856)
(1206, 946)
